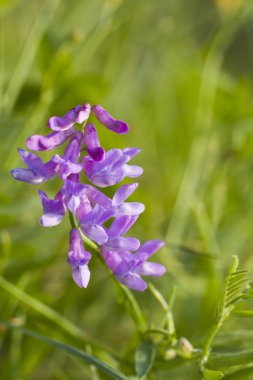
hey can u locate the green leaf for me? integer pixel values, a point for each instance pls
(245, 374)
(234, 265)
(243, 313)
(44, 310)
(230, 359)
(88, 358)
(212, 375)
(144, 358)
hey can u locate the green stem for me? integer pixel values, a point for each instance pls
(156, 331)
(73, 221)
(206, 349)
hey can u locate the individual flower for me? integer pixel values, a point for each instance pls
(116, 239)
(78, 259)
(113, 168)
(91, 140)
(73, 192)
(63, 128)
(36, 171)
(54, 209)
(129, 267)
(78, 114)
(108, 121)
(116, 204)
(91, 222)
(68, 164)
(126, 208)
(38, 142)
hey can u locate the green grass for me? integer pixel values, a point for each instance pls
(180, 73)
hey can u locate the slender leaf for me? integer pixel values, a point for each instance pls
(229, 359)
(88, 358)
(245, 374)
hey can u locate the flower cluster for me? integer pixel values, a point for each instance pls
(88, 206)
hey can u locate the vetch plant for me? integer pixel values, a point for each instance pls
(88, 207)
(100, 224)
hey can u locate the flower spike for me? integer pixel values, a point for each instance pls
(93, 214)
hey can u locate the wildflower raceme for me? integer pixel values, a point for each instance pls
(88, 207)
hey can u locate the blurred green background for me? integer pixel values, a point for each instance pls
(180, 73)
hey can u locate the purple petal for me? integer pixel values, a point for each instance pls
(133, 281)
(88, 165)
(84, 208)
(101, 176)
(38, 142)
(81, 275)
(112, 258)
(54, 210)
(108, 121)
(68, 168)
(50, 220)
(97, 197)
(132, 171)
(37, 171)
(125, 267)
(74, 177)
(74, 188)
(150, 269)
(51, 168)
(103, 173)
(119, 163)
(26, 175)
(121, 225)
(77, 254)
(32, 161)
(77, 114)
(107, 179)
(130, 208)
(72, 150)
(123, 193)
(131, 152)
(92, 143)
(72, 203)
(128, 243)
(95, 232)
(150, 247)
(73, 192)
(98, 215)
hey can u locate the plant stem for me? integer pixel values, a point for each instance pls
(206, 349)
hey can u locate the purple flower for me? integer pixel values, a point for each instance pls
(108, 121)
(54, 209)
(73, 192)
(68, 163)
(78, 114)
(126, 208)
(113, 168)
(78, 259)
(63, 128)
(38, 142)
(117, 205)
(116, 241)
(128, 267)
(36, 171)
(92, 143)
(91, 207)
(91, 222)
